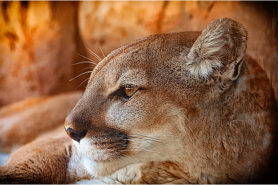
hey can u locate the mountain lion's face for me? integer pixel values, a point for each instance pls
(130, 110)
(172, 97)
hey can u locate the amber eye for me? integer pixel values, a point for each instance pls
(125, 92)
(129, 91)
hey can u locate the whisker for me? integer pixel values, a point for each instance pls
(135, 142)
(110, 149)
(135, 147)
(140, 141)
(86, 58)
(80, 75)
(87, 68)
(92, 52)
(150, 150)
(101, 51)
(131, 150)
(115, 155)
(121, 144)
(125, 157)
(132, 139)
(139, 149)
(82, 83)
(100, 145)
(84, 62)
(163, 135)
(144, 137)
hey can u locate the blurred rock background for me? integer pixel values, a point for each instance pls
(38, 40)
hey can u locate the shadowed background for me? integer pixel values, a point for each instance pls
(41, 43)
(38, 40)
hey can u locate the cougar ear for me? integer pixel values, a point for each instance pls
(219, 49)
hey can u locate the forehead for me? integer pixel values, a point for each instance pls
(144, 56)
(130, 66)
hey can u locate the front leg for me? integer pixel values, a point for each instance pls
(151, 173)
(38, 162)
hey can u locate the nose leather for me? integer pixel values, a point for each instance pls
(77, 136)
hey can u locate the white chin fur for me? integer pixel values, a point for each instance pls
(89, 154)
(101, 169)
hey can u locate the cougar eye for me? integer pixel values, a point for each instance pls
(126, 92)
(129, 91)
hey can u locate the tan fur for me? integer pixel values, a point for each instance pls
(204, 112)
(33, 163)
(221, 43)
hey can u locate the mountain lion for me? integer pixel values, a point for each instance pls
(189, 107)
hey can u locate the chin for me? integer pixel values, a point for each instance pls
(103, 168)
(99, 162)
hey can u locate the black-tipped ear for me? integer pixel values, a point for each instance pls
(221, 46)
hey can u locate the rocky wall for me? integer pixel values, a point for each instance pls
(38, 39)
(37, 44)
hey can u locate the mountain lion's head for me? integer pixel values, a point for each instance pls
(192, 98)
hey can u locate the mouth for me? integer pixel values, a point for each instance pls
(102, 158)
(103, 150)
(101, 161)
(108, 149)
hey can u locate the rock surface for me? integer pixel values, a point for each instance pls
(37, 44)
(38, 39)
